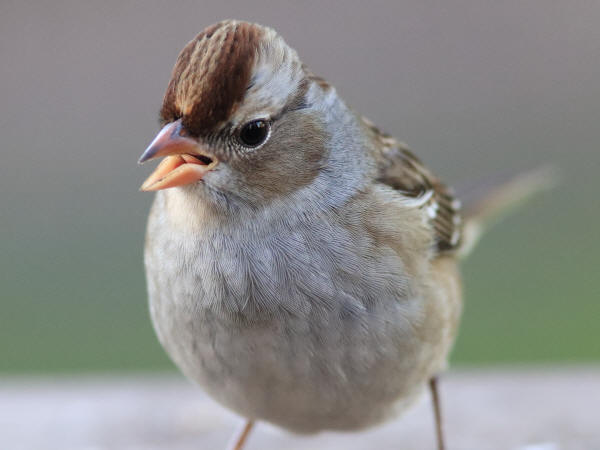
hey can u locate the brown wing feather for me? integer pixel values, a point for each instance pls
(403, 171)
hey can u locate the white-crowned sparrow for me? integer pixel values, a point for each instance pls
(302, 269)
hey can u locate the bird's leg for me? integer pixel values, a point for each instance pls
(239, 439)
(435, 398)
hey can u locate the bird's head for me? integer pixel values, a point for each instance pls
(245, 122)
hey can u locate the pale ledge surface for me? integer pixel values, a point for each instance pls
(505, 409)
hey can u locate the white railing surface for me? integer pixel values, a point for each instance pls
(548, 408)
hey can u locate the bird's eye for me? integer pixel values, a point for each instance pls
(254, 133)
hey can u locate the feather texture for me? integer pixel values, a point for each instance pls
(399, 168)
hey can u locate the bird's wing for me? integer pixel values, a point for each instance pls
(403, 171)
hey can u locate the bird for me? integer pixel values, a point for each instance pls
(302, 265)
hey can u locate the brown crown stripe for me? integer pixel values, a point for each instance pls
(211, 75)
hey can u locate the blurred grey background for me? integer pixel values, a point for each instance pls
(475, 88)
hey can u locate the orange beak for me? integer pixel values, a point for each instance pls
(184, 161)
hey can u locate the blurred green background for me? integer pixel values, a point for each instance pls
(475, 88)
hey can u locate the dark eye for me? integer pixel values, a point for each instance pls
(254, 133)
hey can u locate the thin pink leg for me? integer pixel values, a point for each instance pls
(437, 410)
(239, 439)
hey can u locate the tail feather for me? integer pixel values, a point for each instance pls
(491, 203)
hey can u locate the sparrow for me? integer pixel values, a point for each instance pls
(301, 265)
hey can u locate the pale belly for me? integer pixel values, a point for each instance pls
(334, 341)
(331, 373)
(326, 369)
